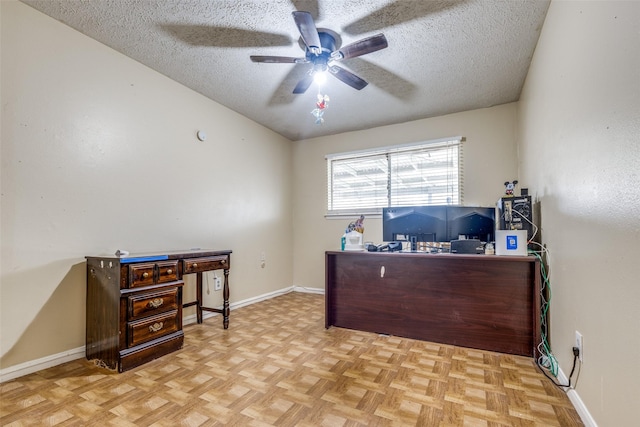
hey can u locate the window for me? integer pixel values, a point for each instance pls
(427, 173)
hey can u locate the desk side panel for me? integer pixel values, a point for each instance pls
(103, 319)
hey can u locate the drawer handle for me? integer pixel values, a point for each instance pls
(169, 271)
(224, 261)
(145, 275)
(195, 265)
(155, 327)
(155, 303)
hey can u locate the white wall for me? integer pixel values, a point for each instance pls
(100, 153)
(579, 133)
(491, 159)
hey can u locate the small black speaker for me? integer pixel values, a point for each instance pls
(468, 246)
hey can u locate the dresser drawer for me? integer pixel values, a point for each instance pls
(148, 304)
(197, 265)
(147, 274)
(146, 329)
(141, 274)
(167, 271)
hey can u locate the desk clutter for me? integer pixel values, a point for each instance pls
(504, 229)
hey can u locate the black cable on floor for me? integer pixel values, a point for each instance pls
(576, 353)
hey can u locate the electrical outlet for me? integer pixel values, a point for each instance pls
(578, 344)
(217, 283)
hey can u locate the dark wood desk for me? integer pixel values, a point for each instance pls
(486, 302)
(134, 303)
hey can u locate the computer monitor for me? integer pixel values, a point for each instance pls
(472, 222)
(437, 223)
(415, 224)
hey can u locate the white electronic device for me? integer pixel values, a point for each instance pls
(511, 242)
(353, 241)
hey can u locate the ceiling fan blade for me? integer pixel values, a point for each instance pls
(308, 31)
(277, 59)
(347, 77)
(282, 93)
(310, 6)
(303, 84)
(364, 46)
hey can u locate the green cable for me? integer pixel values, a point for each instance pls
(546, 348)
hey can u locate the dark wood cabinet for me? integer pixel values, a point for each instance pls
(478, 301)
(134, 304)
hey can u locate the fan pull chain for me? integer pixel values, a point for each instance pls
(321, 105)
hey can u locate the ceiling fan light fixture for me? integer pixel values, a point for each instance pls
(320, 77)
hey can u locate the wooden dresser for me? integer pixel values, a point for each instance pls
(134, 303)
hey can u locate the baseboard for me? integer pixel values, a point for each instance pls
(306, 290)
(187, 320)
(577, 402)
(32, 366)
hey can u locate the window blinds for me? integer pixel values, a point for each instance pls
(427, 173)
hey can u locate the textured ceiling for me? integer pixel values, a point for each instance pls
(443, 56)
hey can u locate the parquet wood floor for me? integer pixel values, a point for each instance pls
(277, 365)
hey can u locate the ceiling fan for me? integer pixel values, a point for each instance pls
(322, 50)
